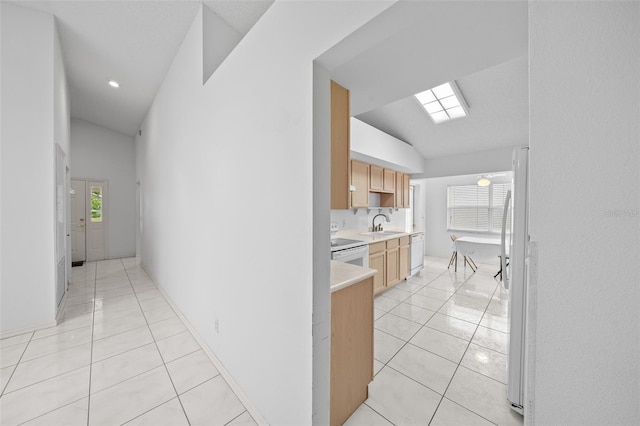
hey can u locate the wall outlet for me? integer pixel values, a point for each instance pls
(216, 326)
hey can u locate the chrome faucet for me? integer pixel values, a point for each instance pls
(378, 228)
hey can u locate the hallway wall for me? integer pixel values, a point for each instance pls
(35, 117)
(101, 153)
(214, 161)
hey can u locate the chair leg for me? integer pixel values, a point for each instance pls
(469, 261)
(500, 271)
(475, 267)
(451, 259)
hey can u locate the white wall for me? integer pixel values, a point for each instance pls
(585, 204)
(475, 162)
(434, 193)
(209, 158)
(373, 146)
(347, 220)
(101, 153)
(34, 117)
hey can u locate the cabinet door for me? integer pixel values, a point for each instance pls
(389, 180)
(340, 148)
(405, 191)
(377, 261)
(360, 179)
(393, 272)
(399, 190)
(404, 262)
(376, 178)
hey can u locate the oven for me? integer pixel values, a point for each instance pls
(350, 251)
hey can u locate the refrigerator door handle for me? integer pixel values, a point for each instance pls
(503, 242)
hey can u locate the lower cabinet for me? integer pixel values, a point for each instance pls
(405, 257)
(393, 262)
(378, 261)
(391, 259)
(351, 349)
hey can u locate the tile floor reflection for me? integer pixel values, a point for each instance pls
(440, 349)
(120, 355)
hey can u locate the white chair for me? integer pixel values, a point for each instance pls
(454, 257)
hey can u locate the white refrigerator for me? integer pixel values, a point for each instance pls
(515, 245)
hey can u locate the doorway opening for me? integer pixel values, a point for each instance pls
(89, 220)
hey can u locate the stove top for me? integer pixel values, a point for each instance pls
(345, 243)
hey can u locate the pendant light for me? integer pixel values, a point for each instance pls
(484, 181)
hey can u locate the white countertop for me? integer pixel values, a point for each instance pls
(345, 274)
(374, 238)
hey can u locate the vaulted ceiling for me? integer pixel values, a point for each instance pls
(414, 46)
(132, 42)
(410, 47)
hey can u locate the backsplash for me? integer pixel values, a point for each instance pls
(346, 219)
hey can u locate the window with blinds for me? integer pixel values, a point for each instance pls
(477, 208)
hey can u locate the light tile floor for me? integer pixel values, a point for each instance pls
(120, 355)
(440, 349)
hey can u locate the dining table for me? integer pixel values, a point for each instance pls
(483, 247)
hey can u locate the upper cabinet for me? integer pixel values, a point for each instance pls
(405, 191)
(340, 147)
(389, 184)
(360, 183)
(352, 181)
(376, 178)
(399, 190)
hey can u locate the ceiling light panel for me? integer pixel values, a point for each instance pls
(443, 103)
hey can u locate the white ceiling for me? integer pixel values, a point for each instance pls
(410, 47)
(498, 115)
(482, 45)
(132, 42)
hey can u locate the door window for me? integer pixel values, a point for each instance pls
(96, 204)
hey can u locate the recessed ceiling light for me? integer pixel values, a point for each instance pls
(114, 84)
(443, 103)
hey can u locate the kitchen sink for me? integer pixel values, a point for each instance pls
(382, 233)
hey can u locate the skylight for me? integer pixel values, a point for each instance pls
(443, 103)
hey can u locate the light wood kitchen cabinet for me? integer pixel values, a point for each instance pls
(389, 184)
(405, 191)
(351, 349)
(404, 257)
(399, 190)
(393, 263)
(391, 259)
(360, 180)
(377, 260)
(340, 147)
(376, 178)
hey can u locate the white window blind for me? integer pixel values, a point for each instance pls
(476, 208)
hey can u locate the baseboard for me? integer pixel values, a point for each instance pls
(223, 371)
(29, 329)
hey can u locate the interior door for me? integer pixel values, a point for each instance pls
(78, 222)
(96, 215)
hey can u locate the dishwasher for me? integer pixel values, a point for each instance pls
(417, 253)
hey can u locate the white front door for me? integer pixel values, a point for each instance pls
(96, 219)
(78, 219)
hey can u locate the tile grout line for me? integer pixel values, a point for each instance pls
(425, 325)
(458, 367)
(4, 388)
(93, 319)
(158, 349)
